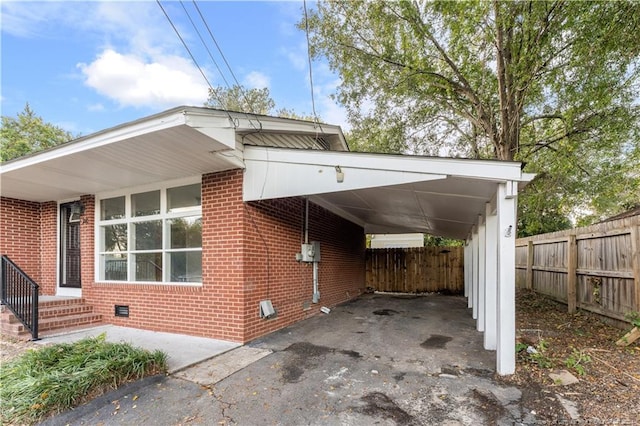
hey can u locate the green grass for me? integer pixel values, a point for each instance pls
(58, 377)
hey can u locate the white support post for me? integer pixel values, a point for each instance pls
(506, 312)
(474, 278)
(467, 266)
(481, 275)
(471, 262)
(491, 279)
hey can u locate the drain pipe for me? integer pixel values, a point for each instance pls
(316, 293)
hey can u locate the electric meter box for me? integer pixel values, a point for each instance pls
(311, 252)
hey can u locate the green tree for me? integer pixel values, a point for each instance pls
(253, 101)
(28, 133)
(241, 99)
(549, 83)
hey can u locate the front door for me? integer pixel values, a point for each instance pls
(69, 245)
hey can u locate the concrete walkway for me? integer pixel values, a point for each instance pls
(182, 350)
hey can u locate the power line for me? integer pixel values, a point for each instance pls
(306, 27)
(204, 44)
(224, 58)
(191, 54)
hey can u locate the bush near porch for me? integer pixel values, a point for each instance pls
(55, 378)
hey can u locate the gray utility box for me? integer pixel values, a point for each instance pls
(311, 252)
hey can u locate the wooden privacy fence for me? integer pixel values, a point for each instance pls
(416, 270)
(596, 268)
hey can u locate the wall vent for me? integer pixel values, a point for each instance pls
(122, 311)
(266, 309)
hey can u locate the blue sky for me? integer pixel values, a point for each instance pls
(89, 65)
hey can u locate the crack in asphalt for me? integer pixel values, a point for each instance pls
(224, 406)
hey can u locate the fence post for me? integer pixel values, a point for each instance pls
(572, 278)
(529, 283)
(635, 259)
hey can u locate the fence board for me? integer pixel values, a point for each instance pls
(416, 270)
(602, 260)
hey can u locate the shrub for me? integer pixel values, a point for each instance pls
(58, 377)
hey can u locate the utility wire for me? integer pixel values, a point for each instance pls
(313, 102)
(204, 44)
(191, 54)
(246, 99)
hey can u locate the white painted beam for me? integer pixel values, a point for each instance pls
(490, 273)
(265, 180)
(498, 171)
(506, 314)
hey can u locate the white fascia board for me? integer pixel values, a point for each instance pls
(272, 179)
(499, 171)
(137, 128)
(249, 122)
(219, 128)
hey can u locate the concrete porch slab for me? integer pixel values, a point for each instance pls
(182, 350)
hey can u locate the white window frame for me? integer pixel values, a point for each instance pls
(164, 216)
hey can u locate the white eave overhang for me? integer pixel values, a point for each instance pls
(383, 193)
(181, 142)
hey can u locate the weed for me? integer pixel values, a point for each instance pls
(57, 377)
(634, 318)
(577, 360)
(535, 354)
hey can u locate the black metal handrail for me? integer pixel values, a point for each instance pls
(20, 294)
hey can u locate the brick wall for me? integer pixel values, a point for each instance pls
(20, 234)
(274, 231)
(49, 247)
(214, 309)
(248, 255)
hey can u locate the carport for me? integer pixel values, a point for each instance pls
(474, 200)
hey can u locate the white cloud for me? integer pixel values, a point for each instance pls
(257, 80)
(96, 107)
(297, 57)
(139, 60)
(325, 84)
(132, 81)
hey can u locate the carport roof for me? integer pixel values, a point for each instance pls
(282, 158)
(384, 193)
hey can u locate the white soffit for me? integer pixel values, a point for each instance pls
(162, 147)
(181, 142)
(382, 193)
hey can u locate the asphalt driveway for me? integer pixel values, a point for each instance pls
(381, 359)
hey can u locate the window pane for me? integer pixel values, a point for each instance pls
(112, 208)
(114, 237)
(183, 197)
(186, 232)
(115, 267)
(145, 203)
(148, 266)
(148, 235)
(186, 266)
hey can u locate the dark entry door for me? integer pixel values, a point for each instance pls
(69, 247)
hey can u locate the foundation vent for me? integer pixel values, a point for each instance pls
(122, 311)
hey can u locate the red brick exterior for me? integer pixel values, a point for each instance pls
(48, 248)
(20, 234)
(248, 255)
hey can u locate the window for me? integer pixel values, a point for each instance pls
(151, 236)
